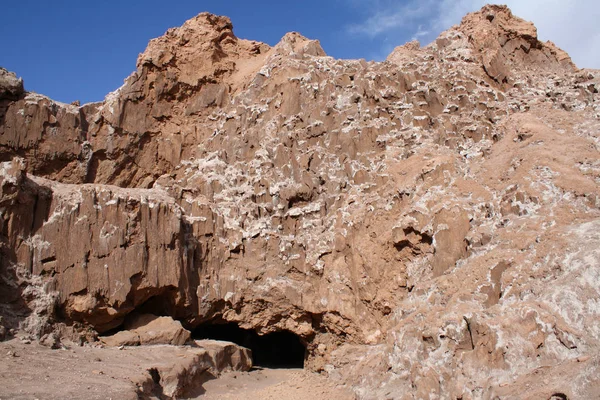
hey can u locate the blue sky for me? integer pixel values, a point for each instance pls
(82, 50)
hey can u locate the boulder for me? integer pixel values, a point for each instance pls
(148, 329)
(121, 338)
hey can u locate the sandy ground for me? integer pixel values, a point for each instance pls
(273, 384)
(31, 371)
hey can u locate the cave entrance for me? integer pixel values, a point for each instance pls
(274, 350)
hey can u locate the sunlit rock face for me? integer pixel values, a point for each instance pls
(427, 225)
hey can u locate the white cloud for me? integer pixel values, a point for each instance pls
(385, 16)
(572, 24)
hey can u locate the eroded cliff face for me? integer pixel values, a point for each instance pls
(427, 225)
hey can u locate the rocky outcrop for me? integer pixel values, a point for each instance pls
(505, 45)
(416, 222)
(107, 249)
(159, 371)
(11, 87)
(184, 379)
(148, 329)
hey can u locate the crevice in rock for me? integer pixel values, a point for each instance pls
(412, 240)
(282, 349)
(94, 163)
(157, 390)
(470, 332)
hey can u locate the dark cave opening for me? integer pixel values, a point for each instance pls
(281, 349)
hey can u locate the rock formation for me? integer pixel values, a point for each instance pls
(427, 225)
(156, 372)
(148, 329)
